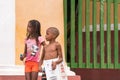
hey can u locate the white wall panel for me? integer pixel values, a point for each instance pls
(7, 32)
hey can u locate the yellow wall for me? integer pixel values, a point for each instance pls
(98, 13)
(48, 12)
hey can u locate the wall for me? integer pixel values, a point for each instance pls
(48, 12)
(7, 32)
(14, 17)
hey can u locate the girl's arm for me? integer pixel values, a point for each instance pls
(24, 54)
(43, 43)
(41, 60)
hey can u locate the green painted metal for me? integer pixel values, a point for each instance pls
(102, 34)
(80, 51)
(72, 35)
(87, 33)
(95, 64)
(65, 27)
(116, 33)
(109, 63)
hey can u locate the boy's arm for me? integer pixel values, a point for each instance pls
(60, 57)
(59, 52)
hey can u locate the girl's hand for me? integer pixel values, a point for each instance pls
(40, 69)
(53, 65)
(21, 58)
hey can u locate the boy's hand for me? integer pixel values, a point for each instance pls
(53, 65)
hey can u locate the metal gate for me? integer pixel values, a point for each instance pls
(92, 33)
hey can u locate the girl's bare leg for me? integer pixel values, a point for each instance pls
(28, 76)
(34, 75)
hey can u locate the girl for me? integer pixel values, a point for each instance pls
(31, 53)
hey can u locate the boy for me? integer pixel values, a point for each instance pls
(52, 56)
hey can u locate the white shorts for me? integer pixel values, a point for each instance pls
(57, 74)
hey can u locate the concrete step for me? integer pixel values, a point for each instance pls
(17, 73)
(21, 77)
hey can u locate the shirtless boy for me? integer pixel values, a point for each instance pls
(52, 51)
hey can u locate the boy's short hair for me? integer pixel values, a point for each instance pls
(54, 30)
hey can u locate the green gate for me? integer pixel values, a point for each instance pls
(92, 33)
